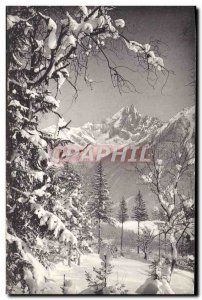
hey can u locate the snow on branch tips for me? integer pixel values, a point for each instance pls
(12, 20)
(120, 23)
(152, 59)
(54, 224)
(52, 27)
(91, 22)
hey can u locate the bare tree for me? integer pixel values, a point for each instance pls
(145, 241)
(167, 175)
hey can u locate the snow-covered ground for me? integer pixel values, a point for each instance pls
(132, 273)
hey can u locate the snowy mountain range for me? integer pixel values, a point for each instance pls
(125, 127)
(128, 126)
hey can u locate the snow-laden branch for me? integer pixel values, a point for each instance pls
(54, 224)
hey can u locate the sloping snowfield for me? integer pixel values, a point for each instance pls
(132, 273)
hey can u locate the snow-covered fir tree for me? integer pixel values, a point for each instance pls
(80, 221)
(139, 212)
(72, 208)
(99, 282)
(100, 206)
(122, 217)
(68, 287)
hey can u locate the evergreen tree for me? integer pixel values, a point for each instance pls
(139, 213)
(99, 283)
(122, 217)
(72, 208)
(100, 204)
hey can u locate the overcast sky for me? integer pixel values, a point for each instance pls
(175, 27)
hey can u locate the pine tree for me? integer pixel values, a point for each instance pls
(99, 283)
(72, 208)
(100, 204)
(139, 213)
(122, 217)
(80, 221)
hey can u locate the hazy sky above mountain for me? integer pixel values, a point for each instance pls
(175, 27)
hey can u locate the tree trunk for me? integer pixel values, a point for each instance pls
(145, 255)
(165, 241)
(159, 246)
(79, 259)
(63, 288)
(173, 256)
(69, 254)
(138, 234)
(122, 239)
(105, 278)
(173, 248)
(99, 236)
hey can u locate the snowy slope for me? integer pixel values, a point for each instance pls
(76, 134)
(130, 272)
(182, 123)
(133, 226)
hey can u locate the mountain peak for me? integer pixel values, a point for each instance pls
(126, 126)
(128, 109)
(132, 109)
